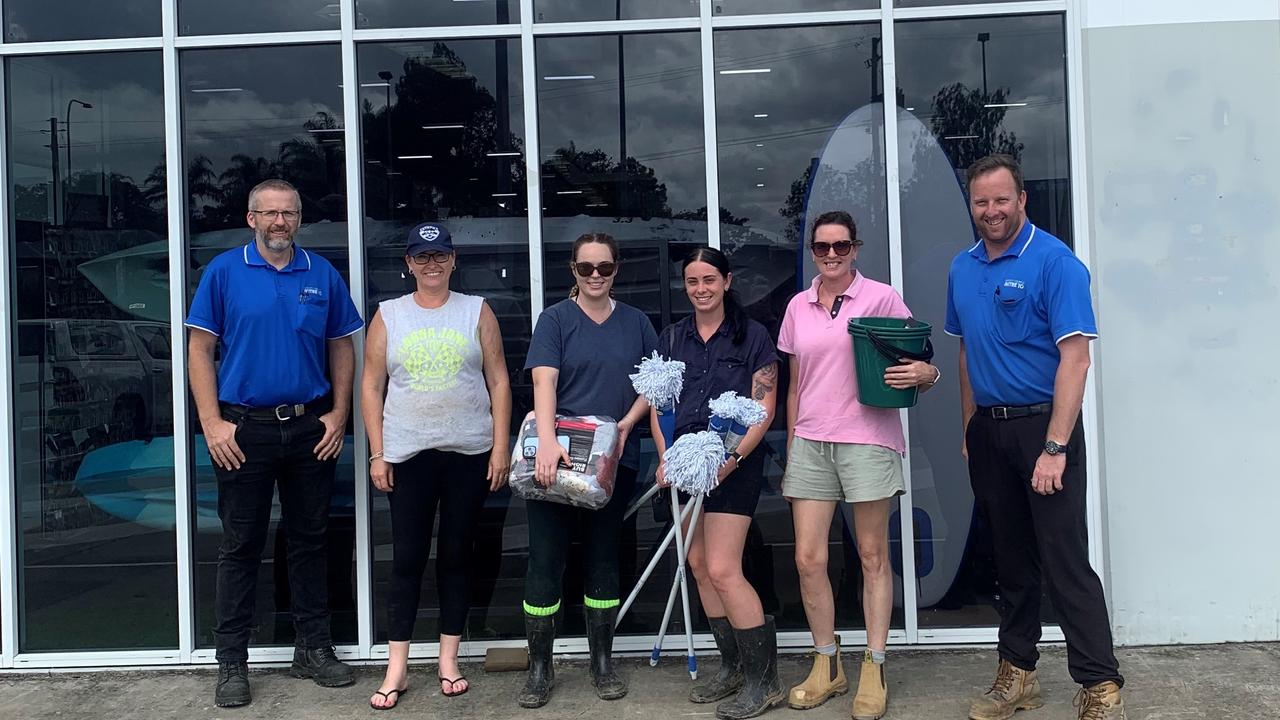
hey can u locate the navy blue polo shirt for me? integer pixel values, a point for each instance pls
(1013, 311)
(714, 366)
(274, 324)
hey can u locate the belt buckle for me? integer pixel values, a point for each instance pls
(1000, 413)
(297, 410)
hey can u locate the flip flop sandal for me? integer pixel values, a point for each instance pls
(454, 681)
(387, 695)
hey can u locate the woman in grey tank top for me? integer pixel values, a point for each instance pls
(439, 440)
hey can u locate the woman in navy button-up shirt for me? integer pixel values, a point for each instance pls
(725, 350)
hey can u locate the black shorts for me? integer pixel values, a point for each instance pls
(740, 491)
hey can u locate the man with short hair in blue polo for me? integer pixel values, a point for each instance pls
(271, 417)
(1019, 302)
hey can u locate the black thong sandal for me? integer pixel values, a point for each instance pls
(454, 681)
(387, 695)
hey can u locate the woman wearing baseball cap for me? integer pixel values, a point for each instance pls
(440, 441)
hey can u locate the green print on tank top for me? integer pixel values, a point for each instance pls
(432, 357)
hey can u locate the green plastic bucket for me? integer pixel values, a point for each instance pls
(880, 342)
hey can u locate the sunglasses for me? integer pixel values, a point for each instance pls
(435, 257)
(585, 269)
(842, 248)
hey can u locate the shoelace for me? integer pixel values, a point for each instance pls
(325, 654)
(234, 670)
(1004, 681)
(1089, 704)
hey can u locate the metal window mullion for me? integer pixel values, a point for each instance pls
(1029, 7)
(893, 197)
(301, 37)
(8, 476)
(356, 265)
(532, 158)
(804, 18)
(710, 134)
(59, 47)
(1077, 164)
(175, 207)
(454, 32)
(608, 27)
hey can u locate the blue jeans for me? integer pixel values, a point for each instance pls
(275, 453)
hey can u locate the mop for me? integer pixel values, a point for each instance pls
(660, 382)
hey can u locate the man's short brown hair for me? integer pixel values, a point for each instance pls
(274, 184)
(992, 163)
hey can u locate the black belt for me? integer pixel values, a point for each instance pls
(1013, 412)
(279, 413)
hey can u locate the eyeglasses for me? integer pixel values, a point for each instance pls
(435, 257)
(584, 269)
(273, 215)
(842, 248)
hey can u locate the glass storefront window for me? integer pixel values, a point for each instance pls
(754, 7)
(415, 13)
(443, 133)
(93, 401)
(967, 88)
(37, 20)
(584, 10)
(201, 17)
(242, 125)
(792, 147)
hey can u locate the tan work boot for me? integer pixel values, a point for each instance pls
(826, 679)
(873, 695)
(1014, 689)
(1100, 702)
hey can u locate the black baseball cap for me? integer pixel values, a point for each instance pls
(429, 237)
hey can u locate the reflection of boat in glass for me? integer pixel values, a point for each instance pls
(133, 481)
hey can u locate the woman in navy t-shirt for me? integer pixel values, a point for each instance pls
(581, 355)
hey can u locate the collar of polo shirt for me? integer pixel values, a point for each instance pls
(301, 260)
(1021, 243)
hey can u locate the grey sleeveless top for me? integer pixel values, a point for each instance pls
(436, 395)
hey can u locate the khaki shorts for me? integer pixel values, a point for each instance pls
(841, 471)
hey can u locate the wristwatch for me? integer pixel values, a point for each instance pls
(737, 456)
(1053, 448)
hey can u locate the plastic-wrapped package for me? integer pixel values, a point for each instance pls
(592, 442)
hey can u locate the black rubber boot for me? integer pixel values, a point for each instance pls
(541, 631)
(322, 665)
(233, 684)
(761, 687)
(729, 678)
(600, 639)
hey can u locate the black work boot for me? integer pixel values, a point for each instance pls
(729, 678)
(541, 631)
(600, 639)
(233, 684)
(321, 665)
(761, 687)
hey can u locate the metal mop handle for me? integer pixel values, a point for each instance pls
(681, 582)
(653, 562)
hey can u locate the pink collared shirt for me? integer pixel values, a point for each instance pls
(827, 407)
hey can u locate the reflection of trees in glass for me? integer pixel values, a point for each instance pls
(608, 188)
(436, 88)
(965, 115)
(726, 217)
(861, 187)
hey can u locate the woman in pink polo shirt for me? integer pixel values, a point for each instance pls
(840, 449)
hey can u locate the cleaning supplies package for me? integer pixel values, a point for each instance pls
(592, 444)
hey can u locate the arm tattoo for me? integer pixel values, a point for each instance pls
(763, 381)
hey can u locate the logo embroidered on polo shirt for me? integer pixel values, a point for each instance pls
(432, 357)
(1015, 284)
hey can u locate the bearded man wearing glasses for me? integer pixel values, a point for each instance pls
(271, 417)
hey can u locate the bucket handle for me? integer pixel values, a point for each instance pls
(894, 353)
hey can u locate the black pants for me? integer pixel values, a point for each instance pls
(551, 528)
(1040, 538)
(456, 484)
(275, 453)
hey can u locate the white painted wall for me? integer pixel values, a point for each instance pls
(1183, 105)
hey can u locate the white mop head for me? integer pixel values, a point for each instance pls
(694, 461)
(744, 411)
(659, 381)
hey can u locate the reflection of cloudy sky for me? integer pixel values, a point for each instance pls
(30, 20)
(582, 10)
(416, 13)
(663, 104)
(747, 7)
(1024, 56)
(816, 77)
(211, 17)
(124, 129)
(253, 111)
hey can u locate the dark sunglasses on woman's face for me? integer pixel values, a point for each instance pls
(436, 257)
(842, 248)
(584, 269)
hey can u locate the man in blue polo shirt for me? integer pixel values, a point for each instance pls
(1019, 302)
(270, 416)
